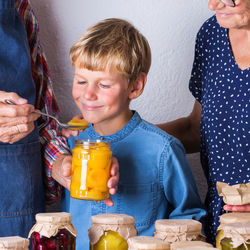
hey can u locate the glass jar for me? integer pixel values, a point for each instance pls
(236, 236)
(14, 243)
(190, 245)
(227, 219)
(91, 161)
(53, 231)
(174, 230)
(147, 242)
(111, 231)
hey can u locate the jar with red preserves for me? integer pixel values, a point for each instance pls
(53, 231)
(14, 242)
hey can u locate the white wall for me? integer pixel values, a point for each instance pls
(170, 27)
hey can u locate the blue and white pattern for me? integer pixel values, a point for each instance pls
(223, 90)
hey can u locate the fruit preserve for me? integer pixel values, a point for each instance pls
(14, 242)
(111, 231)
(175, 230)
(236, 236)
(147, 242)
(227, 219)
(90, 170)
(53, 231)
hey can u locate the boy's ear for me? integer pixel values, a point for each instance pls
(137, 86)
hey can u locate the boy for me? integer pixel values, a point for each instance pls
(111, 62)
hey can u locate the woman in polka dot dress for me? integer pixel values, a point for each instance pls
(219, 125)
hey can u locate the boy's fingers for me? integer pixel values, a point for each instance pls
(109, 202)
(236, 208)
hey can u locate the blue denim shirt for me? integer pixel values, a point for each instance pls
(155, 180)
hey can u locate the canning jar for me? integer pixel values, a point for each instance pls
(173, 230)
(190, 245)
(227, 219)
(14, 243)
(147, 242)
(111, 231)
(91, 161)
(236, 236)
(53, 231)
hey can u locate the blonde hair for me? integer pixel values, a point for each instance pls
(113, 44)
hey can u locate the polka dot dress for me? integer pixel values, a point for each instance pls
(223, 90)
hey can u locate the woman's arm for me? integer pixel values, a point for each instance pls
(186, 129)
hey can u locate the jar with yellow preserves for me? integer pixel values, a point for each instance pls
(190, 244)
(174, 230)
(111, 231)
(14, 243)
(236, 236)
(227, 219)
(91, 162)
(147, 243)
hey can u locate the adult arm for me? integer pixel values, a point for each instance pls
(186, 129)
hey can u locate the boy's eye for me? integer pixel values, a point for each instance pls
(105, 86)
(81, 82)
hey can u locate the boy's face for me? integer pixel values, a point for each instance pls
(103, 98)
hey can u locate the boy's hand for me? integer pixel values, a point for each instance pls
(61, 172)
(67, 132)
(234, 208)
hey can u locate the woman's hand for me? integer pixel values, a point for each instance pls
(235, 208)
(61, 172)
(16, 121)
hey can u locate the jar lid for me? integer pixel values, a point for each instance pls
(147, 242)
(113, 219)
(234, 195)
(14, 242)
(178, 225)
(242, 228)
(61, 217)
(189, 244)
(234, 217)
(196, 248)
(48, 224)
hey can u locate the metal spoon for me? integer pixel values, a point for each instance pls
(60, 124)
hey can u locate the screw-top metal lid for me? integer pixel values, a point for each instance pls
(147, 243)
(113, 219)
(178, 225)
(14, 243)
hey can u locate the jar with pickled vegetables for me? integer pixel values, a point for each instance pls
(174, 230)
(53, 231)
(236, 236)
(91, 162)
(111, 231)
(227, 219)
(147, 242)
(14, 243)
(190, 244)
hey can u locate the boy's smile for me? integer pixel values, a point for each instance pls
(103, 99)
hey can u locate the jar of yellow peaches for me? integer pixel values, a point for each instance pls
(111, 231)
(14, 242)
(227, 219)
(174, 230)
(147, 243)
(236, 236)
(91, 162)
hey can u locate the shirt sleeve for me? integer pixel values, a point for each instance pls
(179, 185)
(195, 83)
(52, 143)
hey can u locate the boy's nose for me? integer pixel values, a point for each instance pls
(215, 4)
(90, 92)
